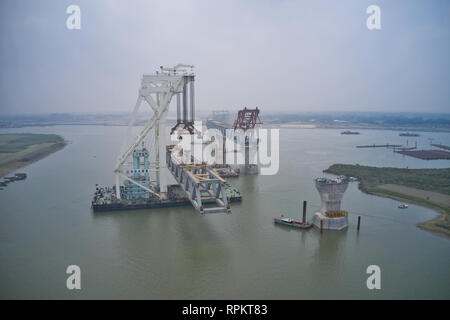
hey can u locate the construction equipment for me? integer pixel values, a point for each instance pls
(157, 90)
(144, 168)
(247, 119)
(202, 184)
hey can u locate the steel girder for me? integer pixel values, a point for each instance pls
(202, 184)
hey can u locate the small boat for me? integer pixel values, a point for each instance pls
(349, 132)
(409, 134)
(20, 176)
(403, 206)
(292, 223)
(16, 177)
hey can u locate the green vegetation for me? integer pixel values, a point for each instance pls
(427, 187)
(19, 150)
(10, 143)
(437, 180)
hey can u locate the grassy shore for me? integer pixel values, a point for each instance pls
(426, 187)
(19, 150)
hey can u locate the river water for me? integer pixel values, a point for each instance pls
(46, 224)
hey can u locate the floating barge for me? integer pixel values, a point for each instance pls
(440, 146)
(105, 200)
(405, 148)
(292, 223)
(225, 171)
(16, 177)
(144, 164)
(409, 134)
(380, 146)
(427, 154)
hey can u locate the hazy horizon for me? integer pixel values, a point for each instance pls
(282, 56)
(204, 112)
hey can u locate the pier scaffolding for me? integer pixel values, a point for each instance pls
(246, 122)
(331, 192)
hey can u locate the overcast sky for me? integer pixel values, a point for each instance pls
(278, 55)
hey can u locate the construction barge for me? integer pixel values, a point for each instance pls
(409, 134)
(105, 200)
(427, 154)
(380, 146)
(146, 161)
(440, 145)
(292, 222)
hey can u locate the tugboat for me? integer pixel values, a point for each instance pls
(20, 176)
(403, 206)
(16, 177)
(292, 222)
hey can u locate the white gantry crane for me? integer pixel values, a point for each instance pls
(157, 90)
(202, 185)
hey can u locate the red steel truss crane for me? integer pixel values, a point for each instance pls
(247, 119)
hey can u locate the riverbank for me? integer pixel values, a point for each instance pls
(20, 150)
(425, 187)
